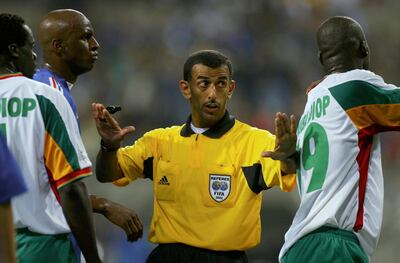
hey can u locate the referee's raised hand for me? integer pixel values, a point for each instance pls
(285, 132)
(285, 143)
(107, 127)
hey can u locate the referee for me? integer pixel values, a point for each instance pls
(207, 174)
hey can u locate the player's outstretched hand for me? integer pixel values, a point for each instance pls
(285, 132)
(126, 219)
(107, 127)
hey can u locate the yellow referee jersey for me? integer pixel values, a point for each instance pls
(207, 187)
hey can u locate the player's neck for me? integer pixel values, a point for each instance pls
(61, 71)
(7, 69)
(340, 69)
(341, 64)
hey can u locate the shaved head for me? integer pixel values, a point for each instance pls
(342, 45)
(67, 39)
(57, 24)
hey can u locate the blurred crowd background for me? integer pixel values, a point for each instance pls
(272, 46)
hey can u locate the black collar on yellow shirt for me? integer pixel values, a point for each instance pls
(219, 129)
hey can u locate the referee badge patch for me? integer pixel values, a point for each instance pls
(220, 187)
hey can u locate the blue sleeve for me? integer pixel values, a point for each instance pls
(11, 181)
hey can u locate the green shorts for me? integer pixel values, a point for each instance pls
(37, 248)
(326, 245)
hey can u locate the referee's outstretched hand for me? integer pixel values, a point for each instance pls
(107, 127)
(285, 132)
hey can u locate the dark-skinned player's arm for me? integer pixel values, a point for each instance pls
(78, 212)
(107, 168)
(285, 143)
(121, 216)
(7, 233)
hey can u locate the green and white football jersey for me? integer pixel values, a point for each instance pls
(340, 175)
(43, 135)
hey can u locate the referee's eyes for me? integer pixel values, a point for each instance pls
(203, 84)
(221, 84)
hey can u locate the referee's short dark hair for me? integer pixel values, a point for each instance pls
(209, 58)
(11, 31)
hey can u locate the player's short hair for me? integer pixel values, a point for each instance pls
(209, 58)
(11, 31)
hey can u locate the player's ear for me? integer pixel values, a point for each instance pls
(232, 86)
(185, 89)
(364, 54)
(320, 57)
(57, 45)
(363, 49)
(14, 50)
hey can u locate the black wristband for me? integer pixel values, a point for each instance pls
(105, 148)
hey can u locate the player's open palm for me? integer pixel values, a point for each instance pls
(285, 132)
(107, 127)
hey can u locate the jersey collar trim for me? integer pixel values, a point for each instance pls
(219, 129)
(59, 79)
(11, 75)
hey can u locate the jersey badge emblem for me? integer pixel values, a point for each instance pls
(219, 187)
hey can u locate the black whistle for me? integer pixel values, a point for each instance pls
(113, 109)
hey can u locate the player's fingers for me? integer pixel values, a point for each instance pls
(274, 155)
(139, 225)
(100, 110)
(285, 123)
(95, 110)
(130, 232)
(293, 124)
(278, 124)
(134, 231)
(99, 107)
(269, 154)
(127, 130)
(95, 114)
(108, 118)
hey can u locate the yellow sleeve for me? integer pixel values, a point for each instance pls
(272, 169)
(132, 159)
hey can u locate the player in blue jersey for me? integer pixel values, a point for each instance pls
(11, 184)
(70, 49)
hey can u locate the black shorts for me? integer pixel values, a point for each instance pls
(181, 253)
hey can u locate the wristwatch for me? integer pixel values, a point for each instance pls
(105, 148)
